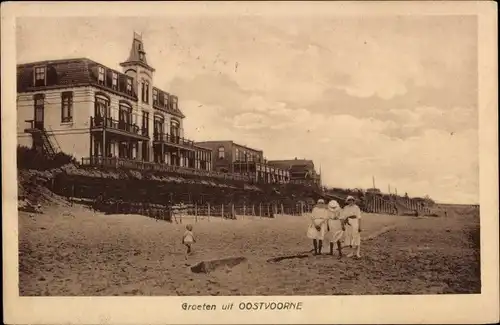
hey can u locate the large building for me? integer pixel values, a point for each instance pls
(230, 157)
(300, 170)
(93, 112)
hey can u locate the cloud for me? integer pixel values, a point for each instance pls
(390, 97)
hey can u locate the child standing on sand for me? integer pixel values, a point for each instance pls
(352, 214)
(317, 226)
(188, 238)
(336, 227)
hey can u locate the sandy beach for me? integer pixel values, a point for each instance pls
(71, 251)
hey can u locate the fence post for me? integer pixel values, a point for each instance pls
(195, 212)
(282, 209)
(301, 208)
(222, 211)
(260, 210)
(253, 210)
(233, 214)
(208, 213)
(244, 209)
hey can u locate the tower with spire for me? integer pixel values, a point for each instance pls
(137, 67)
(137, 55)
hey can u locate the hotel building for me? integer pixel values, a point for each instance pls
(230, 157)
(300, 170)
(94, 113)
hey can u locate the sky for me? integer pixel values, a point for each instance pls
(391, 97)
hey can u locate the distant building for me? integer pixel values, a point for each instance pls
(300, 170)
(230, 157)
(94, 112)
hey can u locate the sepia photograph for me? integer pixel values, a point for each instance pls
(236, 155)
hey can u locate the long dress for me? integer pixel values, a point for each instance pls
(353, 237)
(335, 232)
(317, 226)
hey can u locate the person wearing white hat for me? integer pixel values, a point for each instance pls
(352, 214)
(317, 227)
(335, 226)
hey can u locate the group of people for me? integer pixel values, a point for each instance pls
(340, 227)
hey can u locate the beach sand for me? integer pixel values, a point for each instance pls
(71, 251)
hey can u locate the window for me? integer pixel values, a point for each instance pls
(221, 153)
(155, 96)
(145, 122)
(40, 76)
(174, 103)
(102, 108)
(129, 86)
(175, 128)
(158, 125)
(101, 76)
(39, 100)
(165, 100)
(67, 107)
(237, 155)
(114, 83)
(125, 114)
(145, 91)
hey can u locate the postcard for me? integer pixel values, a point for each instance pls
(250, 162)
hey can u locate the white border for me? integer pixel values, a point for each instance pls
(155, 310)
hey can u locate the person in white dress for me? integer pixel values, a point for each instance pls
(335, 227)
(188, 238)
(317, 226)
(352, 214)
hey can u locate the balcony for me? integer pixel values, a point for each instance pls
(114, 162)
(118, 127)
(175, 141)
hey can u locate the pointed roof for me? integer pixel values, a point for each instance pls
(137, 53)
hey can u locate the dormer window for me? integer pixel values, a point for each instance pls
(114, 83)
(129, 86)
(101, 77)
(40, 76)
(155, 97)
(165, 100)
(174, 103)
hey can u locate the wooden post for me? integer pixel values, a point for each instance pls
(195, 212)
(208, 211)
(268, 212)
(222, 211)
(233, 214)
(244, 209)
(260, 210)
(301, 208)
(253, 210)
(282, 209)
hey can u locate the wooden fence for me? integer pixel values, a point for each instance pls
(174, 213)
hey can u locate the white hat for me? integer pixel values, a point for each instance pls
(333, 205)
(350, 198)
(321, 201)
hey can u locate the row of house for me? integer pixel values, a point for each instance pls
(99, 114)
